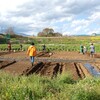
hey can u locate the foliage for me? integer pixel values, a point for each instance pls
(48, 32)
(35, 87)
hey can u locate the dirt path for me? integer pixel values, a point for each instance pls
(59, 55)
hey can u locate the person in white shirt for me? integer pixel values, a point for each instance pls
(85, 49)
(92, 50)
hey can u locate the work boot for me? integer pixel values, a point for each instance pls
(32, 64)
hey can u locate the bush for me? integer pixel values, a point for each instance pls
(85, 95)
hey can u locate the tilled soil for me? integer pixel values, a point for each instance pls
(16, 67)
(48, 68)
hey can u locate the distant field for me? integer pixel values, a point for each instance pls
(56, 43)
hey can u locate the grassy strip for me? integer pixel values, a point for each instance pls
(35, 87)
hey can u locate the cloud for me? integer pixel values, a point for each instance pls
(67, 16)
(95, 17)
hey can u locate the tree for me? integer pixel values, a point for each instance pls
(48, 32)
(58, 34)
(41, 34)
(94, 34)
(10, 31)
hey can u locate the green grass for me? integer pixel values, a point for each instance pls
(55, 44)
(35, 87)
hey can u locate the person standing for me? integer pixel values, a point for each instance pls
(85, 49)
(9, 46)
(82, 49)
(31, 52)
(92, 50)
(21, 46)
(44, 48)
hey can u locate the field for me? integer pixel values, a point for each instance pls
(50, 65)
(54, 43)
(62, 67)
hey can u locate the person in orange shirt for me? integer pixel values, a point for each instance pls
(31, 52)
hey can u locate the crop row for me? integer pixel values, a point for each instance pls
(50, 47)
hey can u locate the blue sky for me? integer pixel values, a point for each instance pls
(69, 17)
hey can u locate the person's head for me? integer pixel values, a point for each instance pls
(32, 43)
(91, 43)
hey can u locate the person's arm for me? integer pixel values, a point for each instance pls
(35, 51)
(94, 48)
(28, 51)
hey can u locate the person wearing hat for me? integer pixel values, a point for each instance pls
(31, 52)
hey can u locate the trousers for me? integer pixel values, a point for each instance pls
(32, 59)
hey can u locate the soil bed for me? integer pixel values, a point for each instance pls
(60, 62)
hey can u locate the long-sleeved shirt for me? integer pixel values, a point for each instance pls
(31, 51)
(92, 48)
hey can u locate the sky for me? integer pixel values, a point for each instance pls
(68, 17)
